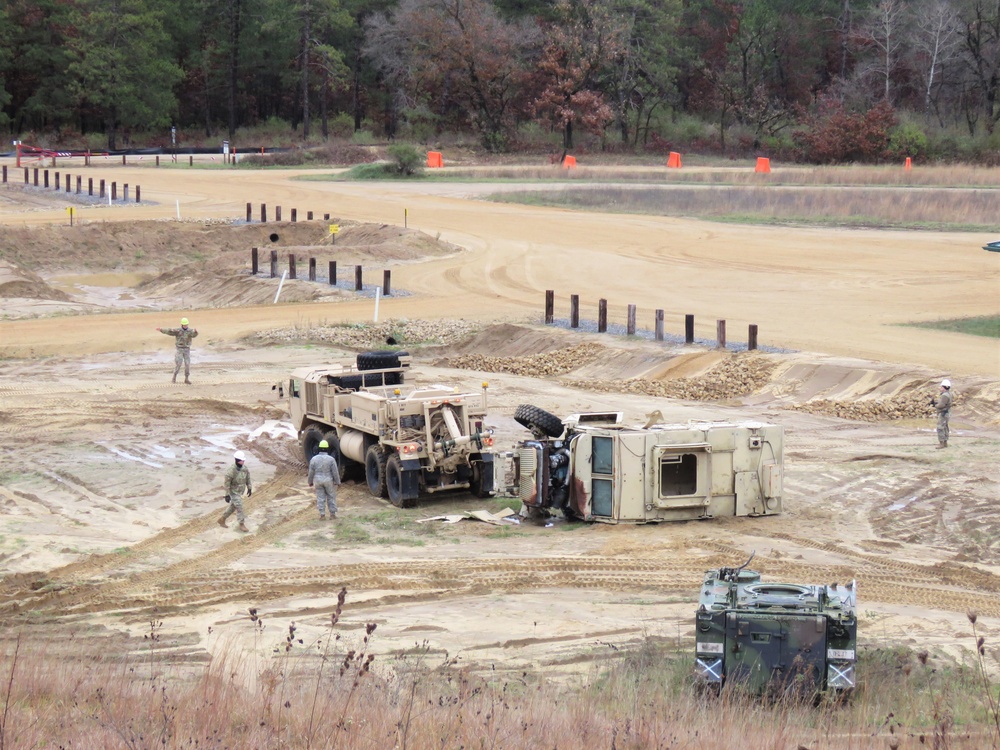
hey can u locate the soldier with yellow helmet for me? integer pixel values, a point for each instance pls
(325, 475)
(182, 336)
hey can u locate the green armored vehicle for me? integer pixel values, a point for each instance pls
(775, 638)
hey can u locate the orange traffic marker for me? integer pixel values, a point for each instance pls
(763, 165)
(674, 160)
(909, 164)
(434, 159)
(569, 162)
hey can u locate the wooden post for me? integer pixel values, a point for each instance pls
(137, 194)
(249, 212)
(157, 160)
(36, 176)
(25, 175)
(312, 269)
(277, 213)
(5, 173)
(263, 213)
(309, 215)
(79, 184)
(58, 185)
(69, 184)
(326, 217)
(333, 273)
(550, 306)
(574, 311)
(752, 337)
(602, 316)
(90, 186)
(125, 192)
(274, 264)
(123, 160)
(720, 333)
(253, 261)
(295, 214)
(359, 285)
(114, 190)
(191, 161)
(46, 178)
(689, 329)
(101, 195)
(386, 282)
(631, 320)
(291, 265)
(658, 325)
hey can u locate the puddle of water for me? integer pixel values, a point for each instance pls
(130, 457)
(274, 429)
(108, 279)
(900, 506)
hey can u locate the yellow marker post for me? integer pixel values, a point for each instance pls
(69, 210)
(334, 228)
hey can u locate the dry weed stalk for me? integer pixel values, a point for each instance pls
(992, 703)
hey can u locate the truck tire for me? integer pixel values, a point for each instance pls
(480, 485)
(375, 460)
(379, 360)
(534, 418)
(310, 442)
(346, 467)
(394, 483)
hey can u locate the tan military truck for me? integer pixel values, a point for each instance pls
(404, 440)
(594, 468)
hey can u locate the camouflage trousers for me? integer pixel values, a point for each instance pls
(942, 427)
(235, 506)
(326, 497)
(182, 357)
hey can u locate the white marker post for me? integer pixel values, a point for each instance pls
(178, 210)
(280, 284)
(378, 295)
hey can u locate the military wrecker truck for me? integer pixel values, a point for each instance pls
(594, 468)
(775, 638)
(406, 441)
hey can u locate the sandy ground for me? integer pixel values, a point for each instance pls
(110, 477)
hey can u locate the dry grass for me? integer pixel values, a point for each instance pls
(336, 693)
(950, 209)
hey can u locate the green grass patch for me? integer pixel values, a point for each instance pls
(984, 325)
(380, 171)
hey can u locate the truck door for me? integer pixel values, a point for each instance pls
(753, 650)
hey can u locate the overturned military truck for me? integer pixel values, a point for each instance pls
(405, 441)
(775, 638)
(594, 468)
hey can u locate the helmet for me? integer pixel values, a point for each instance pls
(184, 321)
(946, 383)
(240, 456)
(323, 445)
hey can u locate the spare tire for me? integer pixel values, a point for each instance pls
(379, 360)
(539, 420)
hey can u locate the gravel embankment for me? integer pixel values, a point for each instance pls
(555, 362)
(372, 335)
(914, 405)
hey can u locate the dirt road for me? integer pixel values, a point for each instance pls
(110, 479)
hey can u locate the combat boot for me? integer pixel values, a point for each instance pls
(943, 444)
(222, 522)
(242, 527)
(187, 382)
(173, 379)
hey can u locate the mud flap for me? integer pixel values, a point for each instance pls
(410, 483)
(488, 481)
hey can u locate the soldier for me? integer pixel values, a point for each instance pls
(183, 336)
(237, 479)
(943, 405)
(324, 473)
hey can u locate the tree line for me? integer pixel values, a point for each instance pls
(620, 69)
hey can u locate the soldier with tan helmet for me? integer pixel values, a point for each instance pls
(943, 405)
(236, 482)
(324, 474)
(182, 336)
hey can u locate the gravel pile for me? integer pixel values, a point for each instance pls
(738, 376)
(372, 335)
(536, 365)
(913, 405)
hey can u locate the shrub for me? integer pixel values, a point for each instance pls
(835, 135)
(406, 159)
(907, 139)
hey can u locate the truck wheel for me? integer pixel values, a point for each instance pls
(394, 483)
(344, 465)
(310, 442)
(379, 360)
(538, 419)
(375, 461)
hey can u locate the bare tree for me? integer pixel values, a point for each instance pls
(936, 41)
(883, 33)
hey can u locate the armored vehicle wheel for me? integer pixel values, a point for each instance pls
(394, 483)
(346, 467)
(375, 460)
(538, 419)
(379, 360)
(310, 442)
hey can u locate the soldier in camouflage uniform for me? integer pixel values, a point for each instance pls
(237, 480)
(325, 475)
(183, 336)
(943, 405)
